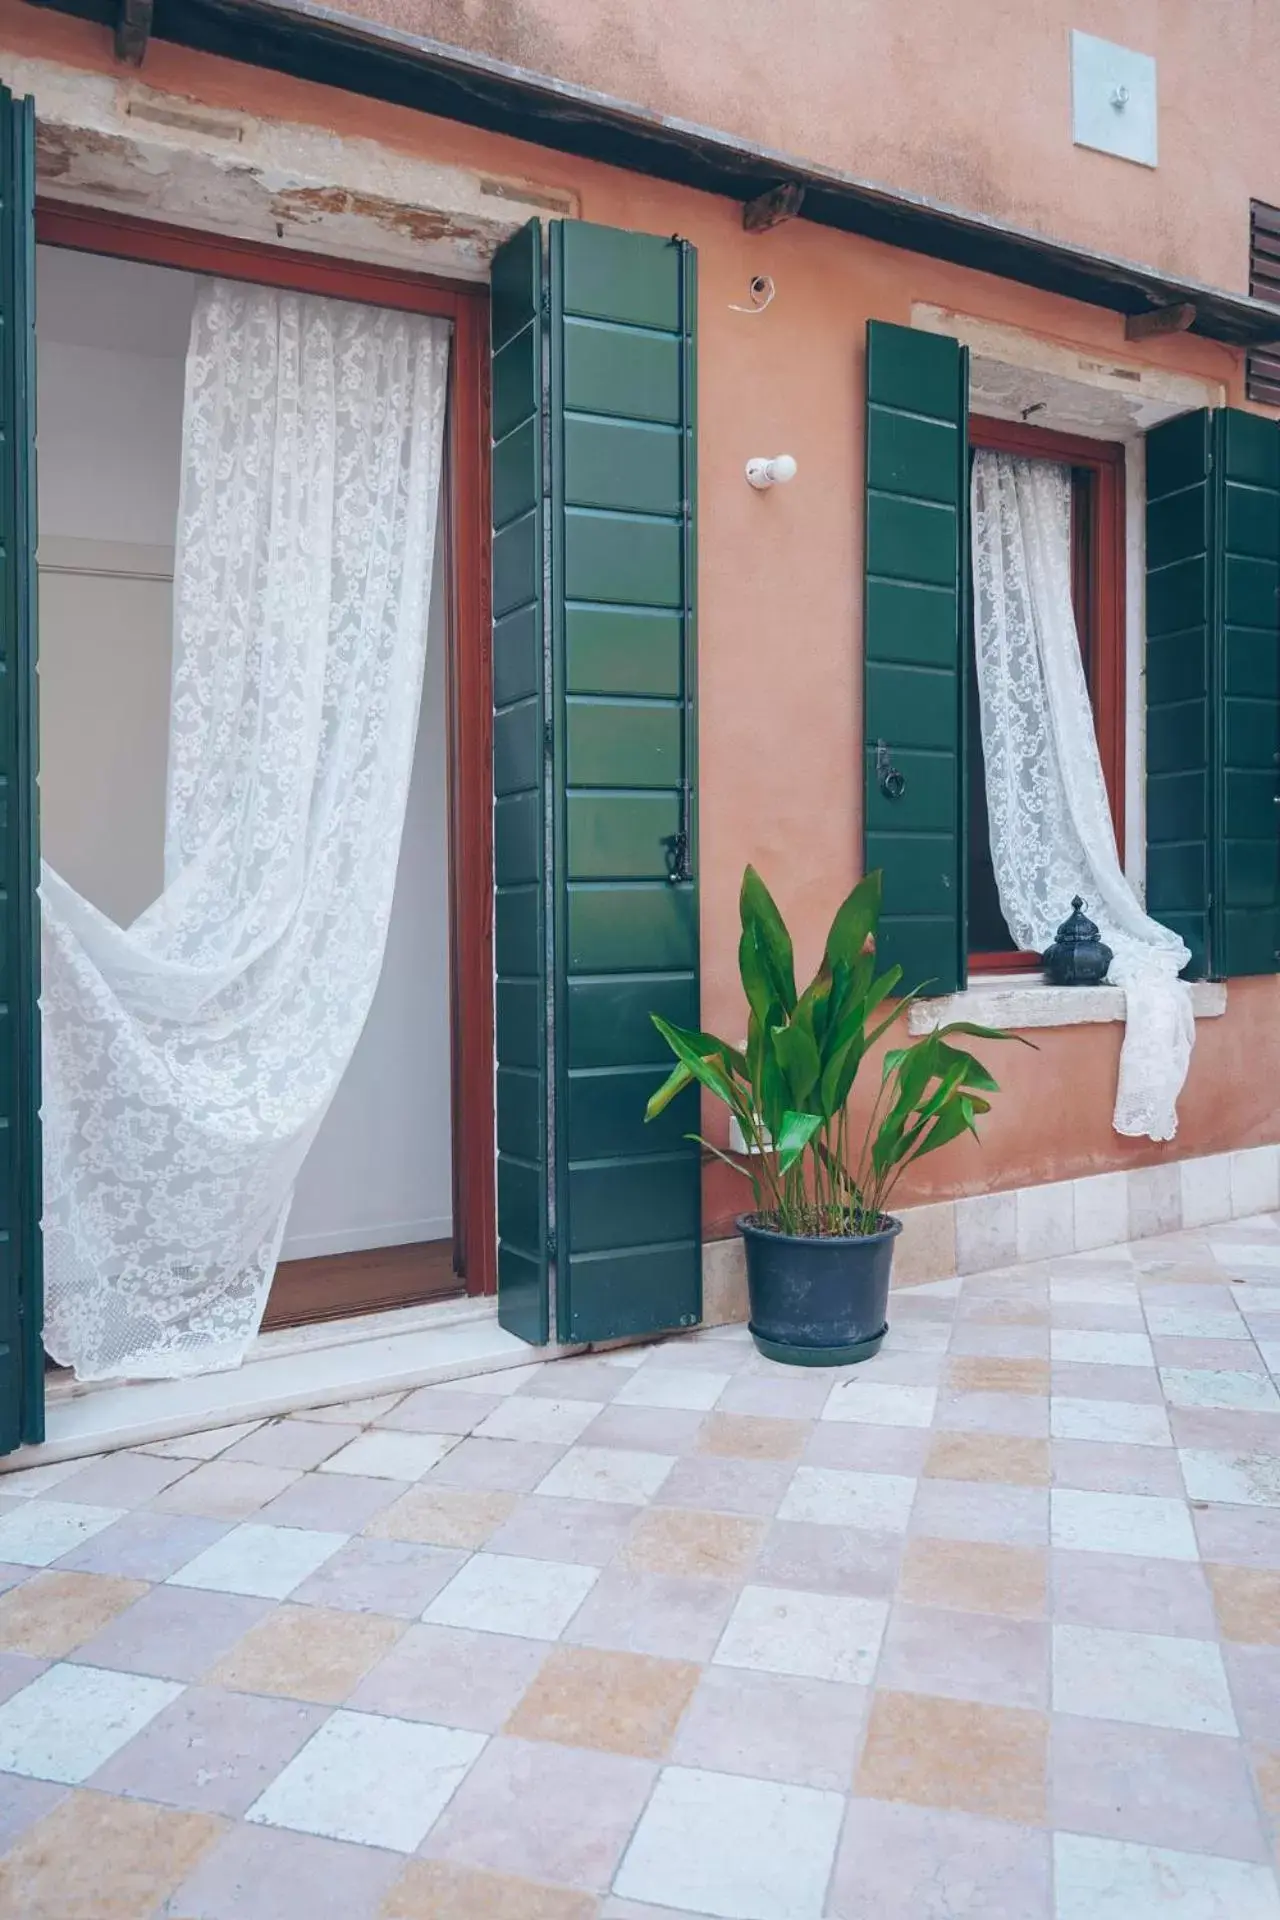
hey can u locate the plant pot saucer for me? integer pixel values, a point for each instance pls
(819, 1356)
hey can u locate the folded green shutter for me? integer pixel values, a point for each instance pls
(917, 571)
(1213, 687)
(21, 1354)
(604, 588)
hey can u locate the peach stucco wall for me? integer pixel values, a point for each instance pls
(779, 588)
(967, 101)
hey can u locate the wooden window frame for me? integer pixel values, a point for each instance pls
(1098, 594)
(469, 679)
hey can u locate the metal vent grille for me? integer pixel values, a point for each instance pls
(1262, 379)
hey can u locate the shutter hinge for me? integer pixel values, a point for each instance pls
(677, 852)
(548, 740)
(551, 1243)
(544, 303)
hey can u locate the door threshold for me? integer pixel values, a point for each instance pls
(284, 1372)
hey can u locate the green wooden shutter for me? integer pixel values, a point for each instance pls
(917, 571)
(21, 1354)
(1213, 687)
(612, 828)
(1179, 676)
(519, 816)
(1246, 911)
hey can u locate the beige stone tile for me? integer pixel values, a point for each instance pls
(690, 1541)
(1248, 1603)
(619, 1702)
(750, 1436)
(988, 1456)
(926, 1247)
(1009, 1313)
(956, 1753)
(724, 1282)
(976, 1576)
(984, 1373)
(444, 1516)
(97, 1858)
(225, 1489)
(1266, 1767)
(437, 1890)
(307, 1653)
(53, 1613)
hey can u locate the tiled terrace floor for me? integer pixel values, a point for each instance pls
(987, 1627)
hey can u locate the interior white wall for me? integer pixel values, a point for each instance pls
(111, 345)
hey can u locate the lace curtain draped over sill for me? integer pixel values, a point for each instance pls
(190, 1058)
(1050, 821)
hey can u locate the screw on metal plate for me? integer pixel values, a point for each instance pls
(1119, 98)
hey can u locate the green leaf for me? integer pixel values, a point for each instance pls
(856, 919)
(797, 1055)
(676, 1081)
(794, 1135)
(759, 912)
(710, 1075)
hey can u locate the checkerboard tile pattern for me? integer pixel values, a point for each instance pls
(987, 1626)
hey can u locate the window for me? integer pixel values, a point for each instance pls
(1097, 541)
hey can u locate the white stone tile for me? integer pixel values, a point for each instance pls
(1270, 1351)
(1261, 1257)
(1046, 1220)
(1120, 1880)
(873, 1502)
(385, 1453)
(816, 1636)
(1101, 1349)
(1193, 1323)
(692, 1388)
(1232, 1479)
(356, 1412)
(629, 1358)
(1215, 1387)
(1101, 1210)
(268, 1562)
(933, 1289)
(1255, 1181)
(916, 1336)
(621, 1474)
(34, 1480)
(880, 1405)
(523, 1417)
(38, 1534)
(376, 1781)
(986, 1231)
(1147, 1525)
(1151, 1679)
(1206, 1189)
(503, 1593)
(209, 1444)
(1155, 1200)
(70, 1720)
(716, 1843)
(499, 1380)
(1125, 1422)
(1094, 1292)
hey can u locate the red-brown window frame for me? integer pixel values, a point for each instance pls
(469, 684)
(1098, 593)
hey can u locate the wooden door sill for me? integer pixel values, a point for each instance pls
(337, 1286)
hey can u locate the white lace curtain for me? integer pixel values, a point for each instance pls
(189, 1058)
(1051, 828)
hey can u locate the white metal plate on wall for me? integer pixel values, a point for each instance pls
(1113, 99)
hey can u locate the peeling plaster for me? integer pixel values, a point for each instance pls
(114, 143)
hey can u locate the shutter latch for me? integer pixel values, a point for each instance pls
(677, 849)
(892, 783)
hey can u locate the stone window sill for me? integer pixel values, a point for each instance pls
(993, 1000)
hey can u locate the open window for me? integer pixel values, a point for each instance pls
(1212, 667)
(1096, 469)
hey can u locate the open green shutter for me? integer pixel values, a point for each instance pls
(1246, 914)
(917, 570)
(623, 573)
(21, 1355)
(519, 815)
(1213, 687)
(595, 779)
(1181, 596)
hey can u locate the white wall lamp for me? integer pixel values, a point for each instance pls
(770, 473)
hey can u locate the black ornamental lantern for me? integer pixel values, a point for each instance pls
(1078, 957)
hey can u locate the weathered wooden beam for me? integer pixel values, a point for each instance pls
(133, 30)
(772, 208)
(1174, 319)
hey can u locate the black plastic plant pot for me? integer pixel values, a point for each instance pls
(818, 1301)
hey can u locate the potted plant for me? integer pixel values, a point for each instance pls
(819, 1243)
